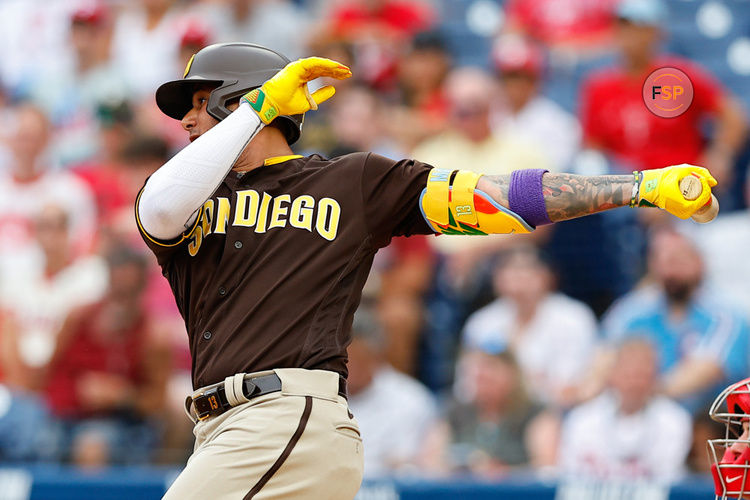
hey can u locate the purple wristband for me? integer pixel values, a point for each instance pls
(526, 198)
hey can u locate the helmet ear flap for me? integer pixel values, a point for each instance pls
(289, 126)
(219, 97)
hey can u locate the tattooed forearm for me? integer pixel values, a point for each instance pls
(568, 196)
(496, 186)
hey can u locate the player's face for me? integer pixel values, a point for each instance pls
(197, 121)
(741, 444)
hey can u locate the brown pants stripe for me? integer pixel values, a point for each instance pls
(287, 450)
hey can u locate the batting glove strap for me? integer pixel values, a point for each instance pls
(262, 104)
(634, 198)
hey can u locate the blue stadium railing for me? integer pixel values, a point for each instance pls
(63, 483)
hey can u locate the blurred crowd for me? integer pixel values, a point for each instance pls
(586, 349)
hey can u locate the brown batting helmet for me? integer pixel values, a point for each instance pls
(235, 69)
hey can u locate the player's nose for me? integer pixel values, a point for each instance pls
(739, 447)
(188, 121)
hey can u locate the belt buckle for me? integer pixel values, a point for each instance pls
(250, 388)
(207, 403)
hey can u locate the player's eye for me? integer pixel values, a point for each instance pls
(735, 429)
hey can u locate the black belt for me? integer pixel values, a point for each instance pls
(213, 400)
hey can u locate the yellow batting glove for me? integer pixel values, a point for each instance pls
(287, 93)
(661, 188)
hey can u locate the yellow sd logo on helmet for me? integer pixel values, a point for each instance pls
(187, 68)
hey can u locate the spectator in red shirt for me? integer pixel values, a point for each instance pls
(104, 172)
(107, 378)
(421, 73)
(195, 36)
(377, 30)
(391, 18)
(617, 122)
(576, 26)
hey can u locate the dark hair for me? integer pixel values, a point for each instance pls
(114, 113)
(125, 256)
(433, 40)
(535, 254)
(144, 148)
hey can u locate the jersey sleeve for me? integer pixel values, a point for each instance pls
(390, 195)
(163, 249)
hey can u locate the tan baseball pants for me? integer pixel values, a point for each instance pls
(299, 443)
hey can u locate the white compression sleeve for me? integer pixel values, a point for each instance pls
(173, 194)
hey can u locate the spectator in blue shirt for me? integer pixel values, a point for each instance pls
(701, 340)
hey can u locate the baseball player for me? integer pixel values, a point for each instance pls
(267, 253)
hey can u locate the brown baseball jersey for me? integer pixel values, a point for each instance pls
(270, 274)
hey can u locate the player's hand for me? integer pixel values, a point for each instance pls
(287, 93)
(661, 188)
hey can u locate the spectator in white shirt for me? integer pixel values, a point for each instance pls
(628, 433)
(31, 183)
(393, 410)
(528, 115)
(552, 335)
(45, 283)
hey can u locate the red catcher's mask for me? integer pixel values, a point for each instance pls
(731, 474)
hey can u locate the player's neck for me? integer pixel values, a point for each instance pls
(269, 143)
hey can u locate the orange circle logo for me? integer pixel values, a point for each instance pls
(668, 92)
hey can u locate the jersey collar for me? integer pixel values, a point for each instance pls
(279, 159)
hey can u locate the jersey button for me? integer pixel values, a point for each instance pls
(222, 291)
(238, 244)
(206, 335)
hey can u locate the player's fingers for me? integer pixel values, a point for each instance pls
(323, 94)
(316, 67)
(705, 192)
(704, 173)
